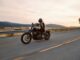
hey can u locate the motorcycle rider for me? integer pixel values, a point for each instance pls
(42, 25)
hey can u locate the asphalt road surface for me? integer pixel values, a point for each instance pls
(61, 46)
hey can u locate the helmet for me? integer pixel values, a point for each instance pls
(40, 20)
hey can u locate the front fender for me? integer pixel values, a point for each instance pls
(29, 31)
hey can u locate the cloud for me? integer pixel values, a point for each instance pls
(57, 10)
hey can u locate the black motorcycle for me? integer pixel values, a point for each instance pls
(35, 34)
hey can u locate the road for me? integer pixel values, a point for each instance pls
(61, 46)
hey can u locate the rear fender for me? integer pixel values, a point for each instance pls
(48, 31)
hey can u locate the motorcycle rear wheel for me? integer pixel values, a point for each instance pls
(47, 36)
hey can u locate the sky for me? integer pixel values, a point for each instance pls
(63, 12)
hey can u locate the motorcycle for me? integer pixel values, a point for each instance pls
(35, 34)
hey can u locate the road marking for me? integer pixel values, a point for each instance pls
(52, 47)
(19, 58)
(65, 42)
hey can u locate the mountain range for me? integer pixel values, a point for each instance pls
(54, 26)
(11, 24)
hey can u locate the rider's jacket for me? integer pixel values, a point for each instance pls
(42, 26)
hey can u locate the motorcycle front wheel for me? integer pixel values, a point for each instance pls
(26, 38)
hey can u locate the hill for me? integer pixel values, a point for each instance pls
(54, 26)
(10, 24)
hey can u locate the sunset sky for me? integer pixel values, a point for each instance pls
(63, 12)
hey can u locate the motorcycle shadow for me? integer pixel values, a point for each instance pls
(40, 41)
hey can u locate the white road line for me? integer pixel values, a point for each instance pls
(66, 42)
(19, 58)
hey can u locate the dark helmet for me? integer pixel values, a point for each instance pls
(40, 20)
